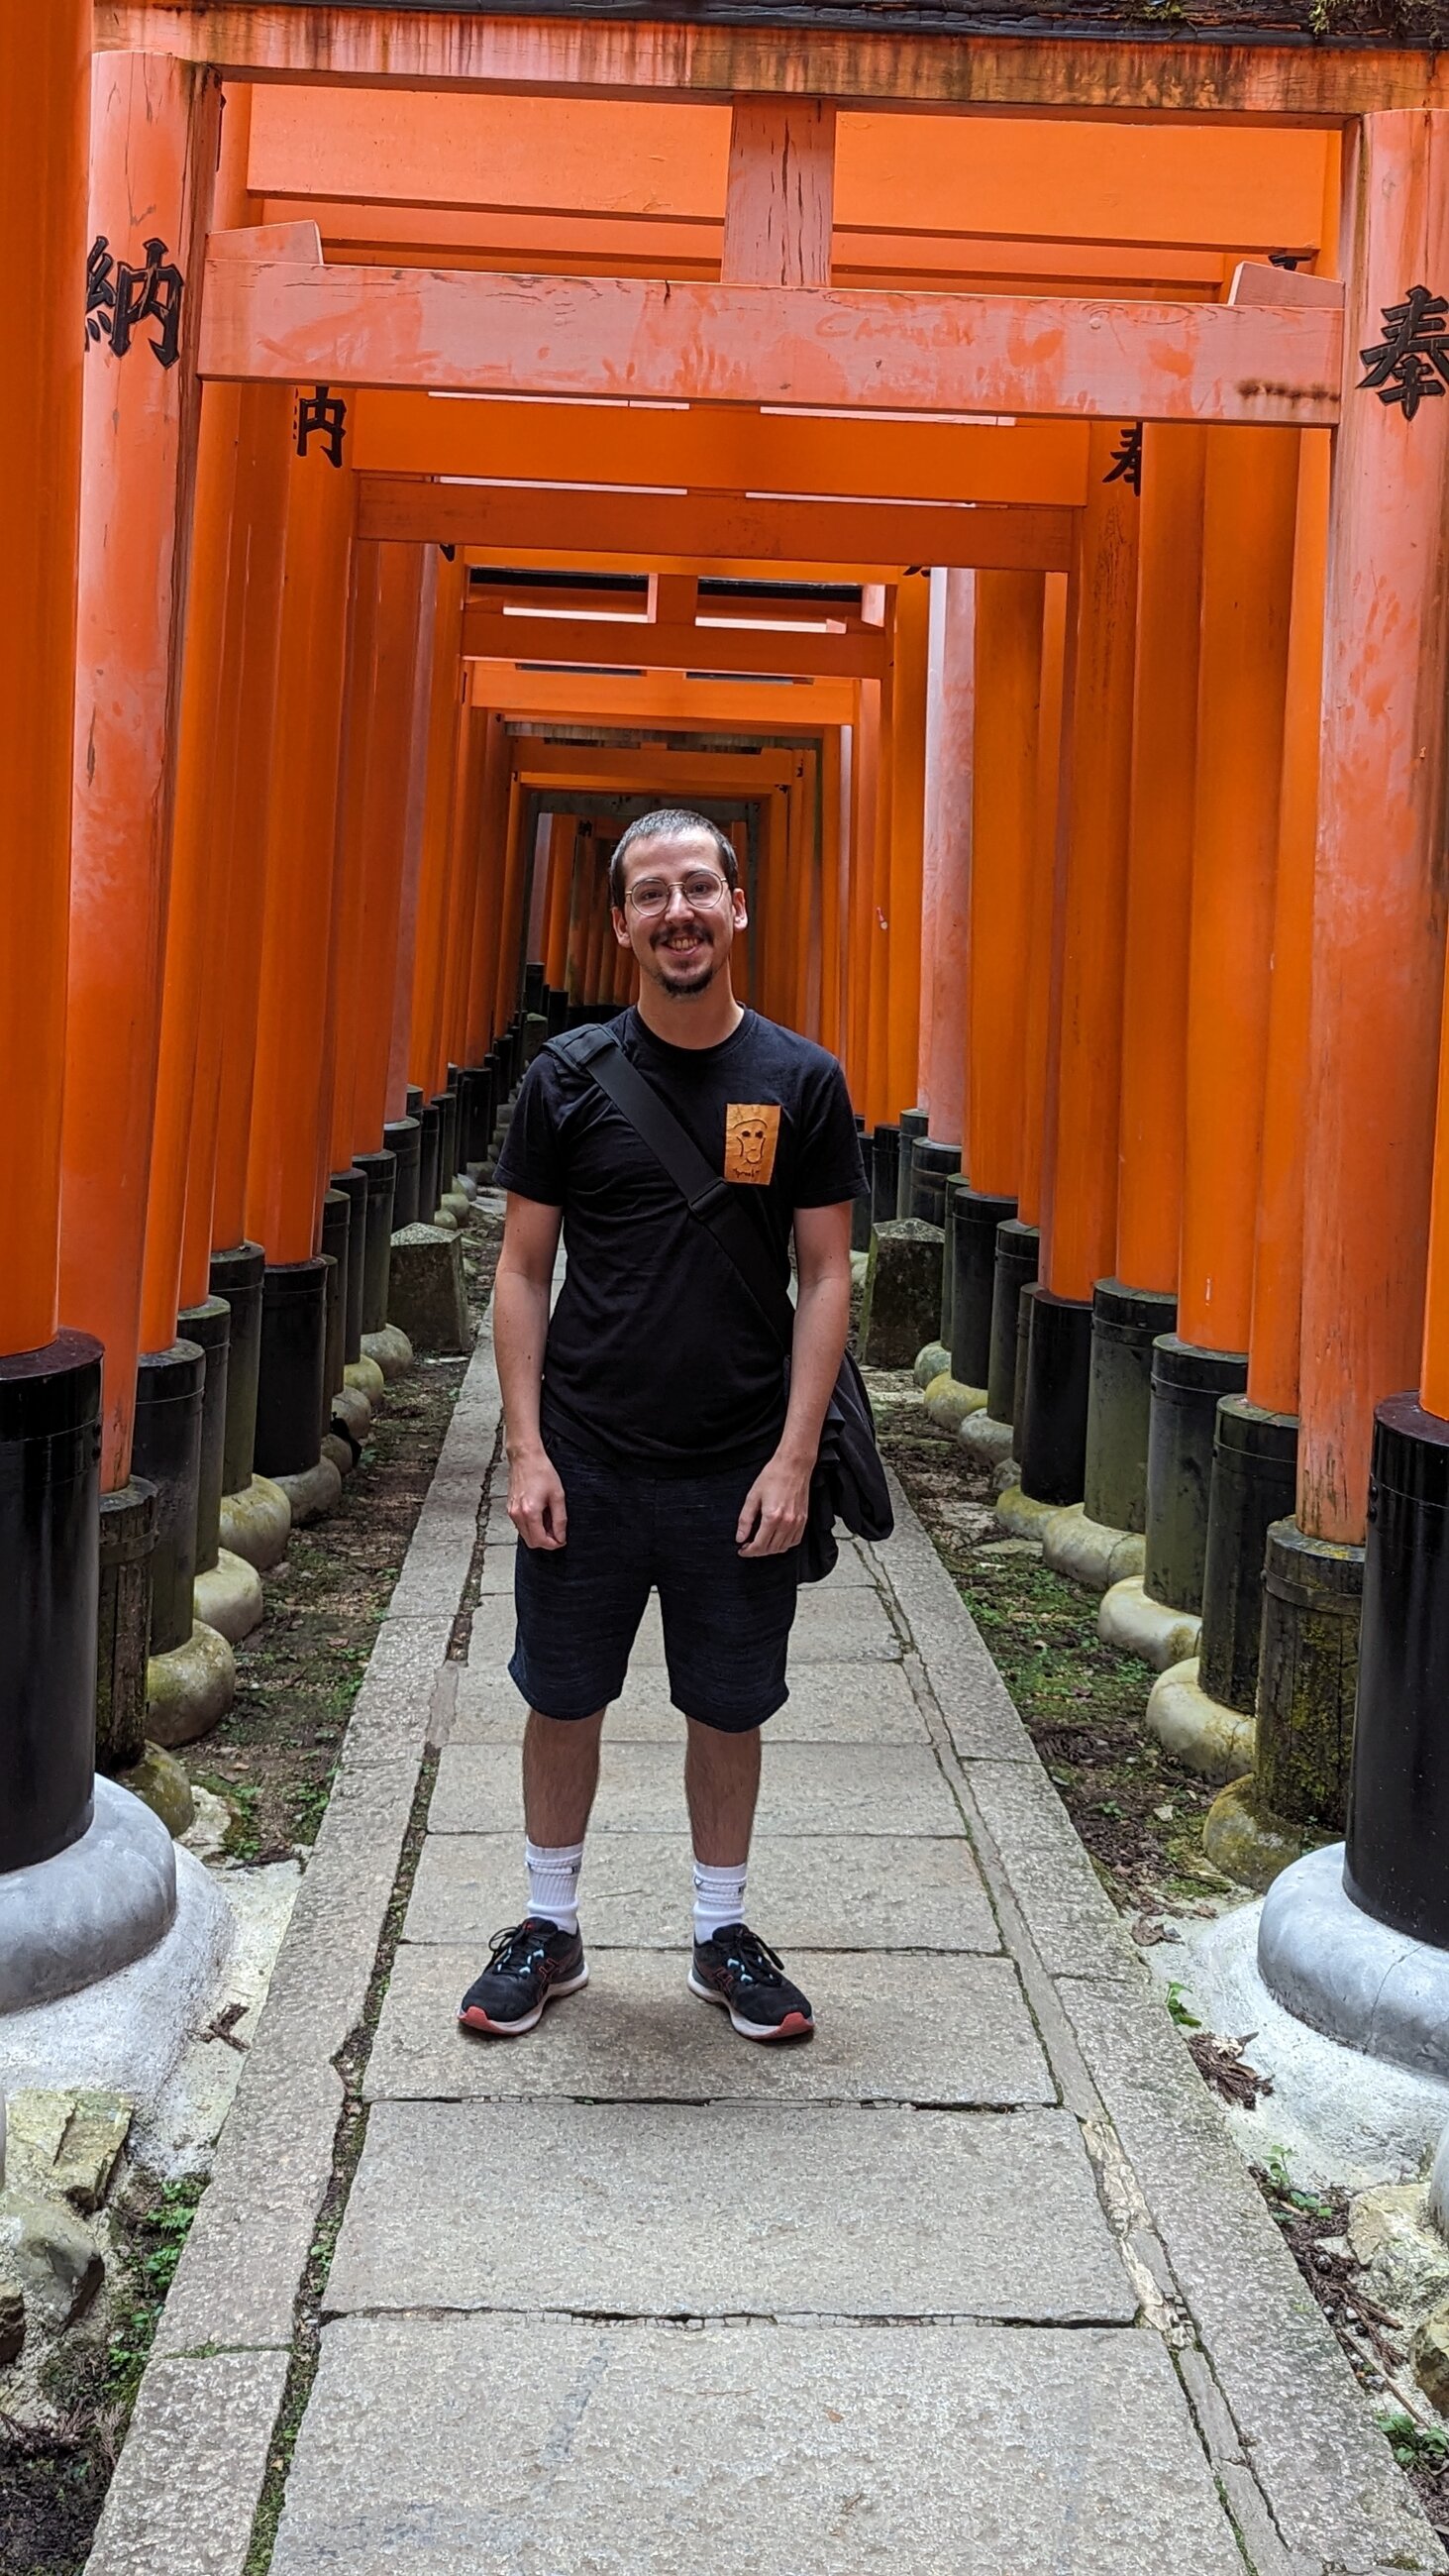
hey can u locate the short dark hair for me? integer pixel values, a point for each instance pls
(667, 823)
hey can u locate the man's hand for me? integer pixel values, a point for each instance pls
(536, 1503)
(777, 1506)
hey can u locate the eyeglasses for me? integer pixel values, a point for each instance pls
(700, 892)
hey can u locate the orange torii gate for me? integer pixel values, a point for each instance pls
(766, 281)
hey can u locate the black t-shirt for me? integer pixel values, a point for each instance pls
(657, 1357)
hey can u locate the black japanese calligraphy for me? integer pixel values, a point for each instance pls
(121, 297)
(322, 414)
(1411, 361)
(1126, 466)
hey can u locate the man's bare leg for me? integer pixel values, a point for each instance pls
(721, 1785)
(560, 1776)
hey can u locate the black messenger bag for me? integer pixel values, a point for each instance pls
(848, 1483)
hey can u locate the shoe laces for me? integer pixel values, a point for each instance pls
(752, 1957)
(513, 1947)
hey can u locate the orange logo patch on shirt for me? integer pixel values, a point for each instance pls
(752, 1132)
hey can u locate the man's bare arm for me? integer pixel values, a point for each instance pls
(777, 1505)
(521, 1291)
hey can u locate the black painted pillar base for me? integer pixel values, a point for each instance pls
(1188, 1384)
(50, 1439)
(294, 1362)
(1254, 1479)
(123, 1624)
(932, 1166)
(475, 1115)
(428, 1191)
(335, 1247)
(1396, 1866)
(972, 1219)
(403, 1138)
(1125, 1324)
(237, 1276)
(1018, 1251)
(556, 1010)
(447, 1107)
(166, 1450)
(884, 1173)
(533, 984)
(1052, 1439)
(860, 1211)
(914, 1124)
(414, 1100)
(377, 1246)
(209, 1326)
(353, 1185)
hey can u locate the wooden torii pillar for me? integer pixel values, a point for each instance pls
(50, 1379)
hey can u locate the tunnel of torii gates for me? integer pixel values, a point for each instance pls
(1001, 481)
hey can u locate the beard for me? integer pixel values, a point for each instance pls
(684, 981)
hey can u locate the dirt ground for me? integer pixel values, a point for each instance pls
(272, 1759)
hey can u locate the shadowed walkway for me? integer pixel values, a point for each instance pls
(974, 2282)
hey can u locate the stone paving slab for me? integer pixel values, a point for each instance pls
(663, 2209)
(182, 2499)
(826, 1706)
(807, 1788)
(845, 1625)
(807, 1892)
(1073, 1922)
(638, 2451)
(951, 2031)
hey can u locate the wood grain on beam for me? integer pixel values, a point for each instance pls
(779, 193)
(671, 648)
(1102, 76)
(282, 321)
(733, 451)
(713, 524)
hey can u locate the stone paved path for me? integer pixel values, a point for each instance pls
(973, 2283)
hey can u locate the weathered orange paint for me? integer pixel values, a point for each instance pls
(1116, 185)
(153, 161)
(718, 451)
(946, 884)
(1378, 936)
(473, 732)
(1084, 1035)
(197, 900)
(562, 834)
(44, 104)
(1010, 609)
(1249, 511)
(263, 486)
(864, 765)
(1274, 1328)
(444, 719)
(1059, 607)
(482, 972)
(779, 200)
(470, 331)
(391, 726)
(832, 891)
(347, 959)
(1159, 858)
(699, 60)
(907, 835)
(666, 648)
(289, 1124)
(510, 914)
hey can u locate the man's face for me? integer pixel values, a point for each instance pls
(679, 916)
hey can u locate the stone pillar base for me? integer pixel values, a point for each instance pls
(313, 1493)
(986, 1440)
(1245, 1840)
(1350, 1977)
(1090, 1552)
(228, 1597)
(1215, 1741)
(257, 1523)
(949, 1404)
(1132, 1621)
(105, 1900)
(391, 1350)
(366, 1376)
(189, 1690)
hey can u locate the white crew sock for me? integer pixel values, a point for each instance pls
(719, 1898)
(553, 1883)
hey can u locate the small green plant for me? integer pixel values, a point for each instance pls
(1281, 2182)
(1414, 2446)
(1178, 2009)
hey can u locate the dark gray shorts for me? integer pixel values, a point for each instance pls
(727, 1618)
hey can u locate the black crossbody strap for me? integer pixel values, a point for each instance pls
(709, 1197)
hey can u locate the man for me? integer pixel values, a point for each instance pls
(650, 1440)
